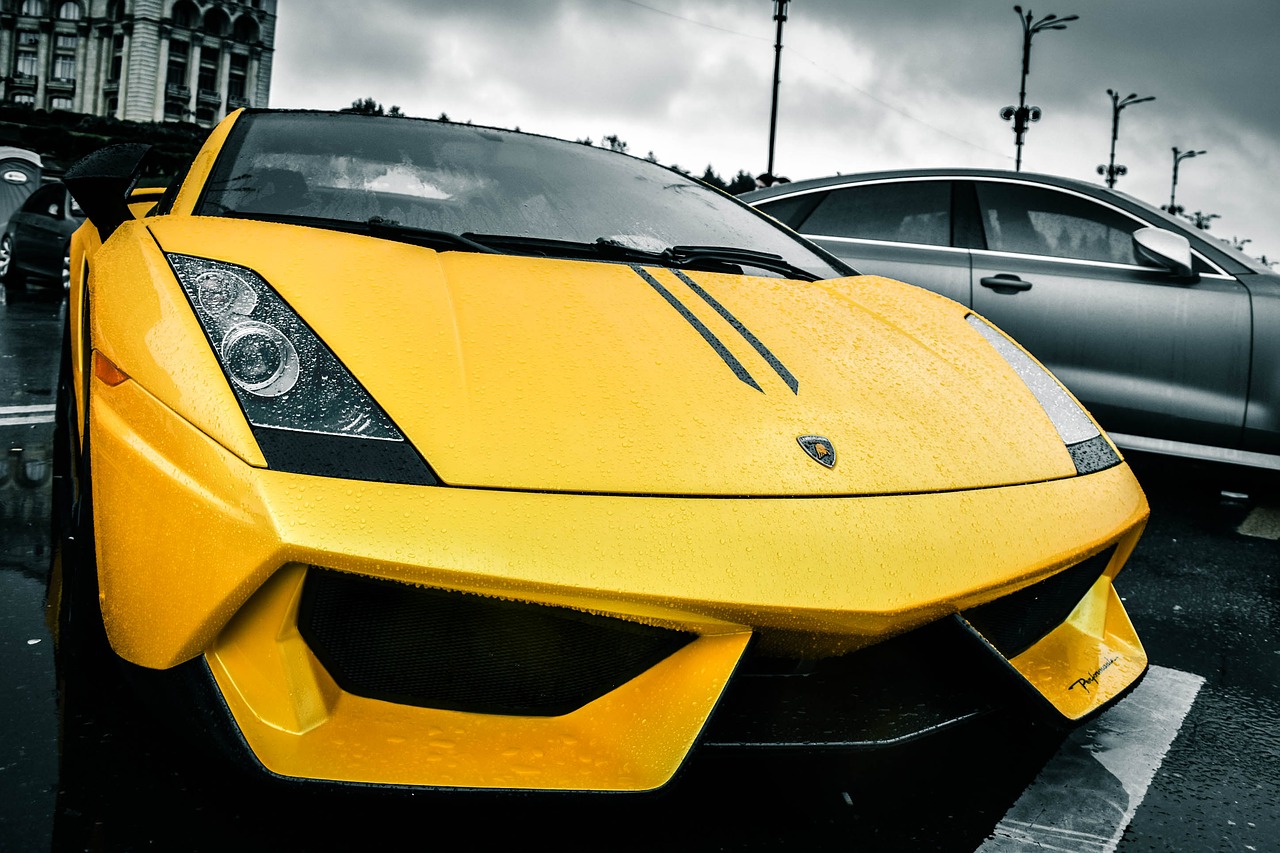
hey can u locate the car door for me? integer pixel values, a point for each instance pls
(38, 239)
(899, 228)
(1148, 354)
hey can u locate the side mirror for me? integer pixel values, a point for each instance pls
(1166, 250)
(101, 183)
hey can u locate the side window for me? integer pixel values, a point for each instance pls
(902, 212)
(46, 201)
(792, 211)
(1039, 221)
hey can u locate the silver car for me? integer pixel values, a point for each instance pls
(1169, 336)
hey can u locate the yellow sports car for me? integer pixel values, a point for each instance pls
(441, 455)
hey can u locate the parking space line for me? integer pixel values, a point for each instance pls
(25, 410)
(19, 420)
(1263, 522)
(1089, 791)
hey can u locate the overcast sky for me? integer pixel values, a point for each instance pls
(866, 84)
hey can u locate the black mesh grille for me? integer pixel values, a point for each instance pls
(917, 684)
(461, 652)
(1014, 623)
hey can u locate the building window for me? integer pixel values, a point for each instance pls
(237, 77)
(117, 59)
(64, 66)
(246, 30)
(64, 58)
(60, 103)
(33, 7)
(115, 11)
(185, 14)
(113, 105)
(209, 70)
(216, 22)
(27, 63)
(179, 57)
(70, 11)
(26, 99)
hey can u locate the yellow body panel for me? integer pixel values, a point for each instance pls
(869, 567)
(299, 723)
(513, 372)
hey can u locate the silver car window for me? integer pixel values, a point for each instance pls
(906, 212)
(1036, 221)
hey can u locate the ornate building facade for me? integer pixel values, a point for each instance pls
(140, 60)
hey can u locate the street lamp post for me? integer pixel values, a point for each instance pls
(1112, 171)
(1022, 114)
(779, 15)
(1178, 157)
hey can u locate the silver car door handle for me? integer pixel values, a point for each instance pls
(1005, 283)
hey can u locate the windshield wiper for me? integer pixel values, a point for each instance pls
(379, 227)
(693, 255)
(713, 258)
(374, 227)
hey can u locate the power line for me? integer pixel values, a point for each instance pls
(693, 21)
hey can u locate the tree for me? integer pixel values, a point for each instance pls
(366, 107)
(741, 183)
(614, 143)
(710, 177)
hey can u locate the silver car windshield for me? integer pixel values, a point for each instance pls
(461, 179)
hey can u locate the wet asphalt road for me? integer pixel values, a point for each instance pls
(1191, 764)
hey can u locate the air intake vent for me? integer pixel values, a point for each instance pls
(1016, 622)
(461, 652)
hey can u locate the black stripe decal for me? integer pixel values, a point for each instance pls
(721, 350)
(778, 366)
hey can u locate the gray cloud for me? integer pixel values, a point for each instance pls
(866, 85)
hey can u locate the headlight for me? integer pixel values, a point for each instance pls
(309, 414)
(1089, 448)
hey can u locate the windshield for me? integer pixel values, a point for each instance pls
(469, 180)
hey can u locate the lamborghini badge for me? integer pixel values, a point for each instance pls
(819, 449)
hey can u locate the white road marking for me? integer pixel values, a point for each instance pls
(25, 410)
(1089, 791)
(19, 420)
(1263, 522)
(20, 415)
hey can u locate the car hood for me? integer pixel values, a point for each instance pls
(554, 375)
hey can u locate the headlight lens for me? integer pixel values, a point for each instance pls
(305, 407)
(1089, 448)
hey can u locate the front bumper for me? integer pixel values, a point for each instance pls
(222, 576)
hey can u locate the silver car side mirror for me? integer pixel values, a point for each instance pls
(1164, 249)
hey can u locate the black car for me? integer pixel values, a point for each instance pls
(35, 245)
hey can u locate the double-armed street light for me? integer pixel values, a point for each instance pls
(1178, 157)
(1111, 170)
(1022, 114)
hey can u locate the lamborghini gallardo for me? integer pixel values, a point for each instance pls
(457, 457)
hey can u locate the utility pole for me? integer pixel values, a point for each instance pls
(779, 15)
(1022, 114)
(1112, 171)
